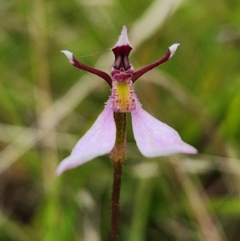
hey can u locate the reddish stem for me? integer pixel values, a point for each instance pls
(118, 155)
(117, 174)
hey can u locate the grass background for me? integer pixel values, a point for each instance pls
(46, 105)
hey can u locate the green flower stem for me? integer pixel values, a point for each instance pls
(117, 155)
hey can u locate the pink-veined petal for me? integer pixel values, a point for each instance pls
(99, 140)
(155, 138)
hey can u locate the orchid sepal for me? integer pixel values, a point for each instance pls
(155, 138)
(123, 44)
(72, 60)
(98, 140)
(171, 51)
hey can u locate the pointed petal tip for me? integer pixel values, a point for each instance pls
(124, 30)
(173, 49)
(66, 164)
(187, 149)
(69, 55)
(123, 38)
(59, 171)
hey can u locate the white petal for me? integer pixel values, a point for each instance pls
(155, 138)
(99, 140)
(173, 49)
(123, 38)
(69, 55)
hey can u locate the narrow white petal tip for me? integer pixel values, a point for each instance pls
(123, 38)
(65, 165)
(173, 49)
(59, 171)
(69, 55)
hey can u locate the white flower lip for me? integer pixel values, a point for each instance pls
(173, 49)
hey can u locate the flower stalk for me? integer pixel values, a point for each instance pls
(117, 156)
(118, 153)
(116, 187)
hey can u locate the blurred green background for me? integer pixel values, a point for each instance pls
(46, 105)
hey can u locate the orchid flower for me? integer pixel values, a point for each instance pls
(153, 137)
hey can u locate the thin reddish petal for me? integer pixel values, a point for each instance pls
(155, 138)
(171, 50)
(99, 140)
(82, 66)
